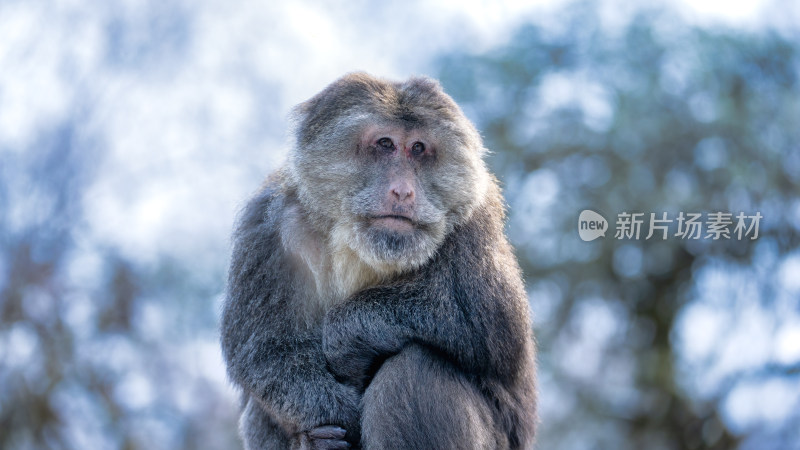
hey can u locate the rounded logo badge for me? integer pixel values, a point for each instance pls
(591, 225)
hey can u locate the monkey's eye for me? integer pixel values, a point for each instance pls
(417, 149)
(385, 143)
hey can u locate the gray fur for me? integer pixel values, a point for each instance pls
(419, 339)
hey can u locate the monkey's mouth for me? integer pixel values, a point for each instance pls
(394, 222)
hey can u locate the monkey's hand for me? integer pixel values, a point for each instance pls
(326, 437)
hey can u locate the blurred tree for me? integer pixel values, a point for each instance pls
(96, 351)
(651, 116)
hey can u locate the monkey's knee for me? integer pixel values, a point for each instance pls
(259, 431)
(416, 400)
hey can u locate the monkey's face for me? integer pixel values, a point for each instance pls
(390, 177)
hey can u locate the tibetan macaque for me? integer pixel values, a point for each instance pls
(373, 300)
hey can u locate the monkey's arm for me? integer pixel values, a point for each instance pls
(286, 373)
(268, 354)
(467, 304)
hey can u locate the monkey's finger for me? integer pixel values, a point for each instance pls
(327, 432)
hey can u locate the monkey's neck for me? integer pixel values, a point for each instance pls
(329, 269)
(348, 274)
(336, 274)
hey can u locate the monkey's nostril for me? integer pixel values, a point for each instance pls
(403, 194)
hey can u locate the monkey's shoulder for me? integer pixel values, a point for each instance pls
(265, 207)
(478, 261)
(482, 233)
(258, 246)
(275, 234)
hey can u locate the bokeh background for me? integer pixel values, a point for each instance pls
(131, 132)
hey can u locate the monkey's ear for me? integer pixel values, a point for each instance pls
(298, 116)
(424, 84)
(300, 112)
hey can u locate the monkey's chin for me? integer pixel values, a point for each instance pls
(396, 246)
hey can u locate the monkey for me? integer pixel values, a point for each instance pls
(373, 300)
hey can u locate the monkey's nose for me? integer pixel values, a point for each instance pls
(403, 191)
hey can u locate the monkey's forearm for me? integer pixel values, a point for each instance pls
(358, 335)
(354, 343)
(289, 378)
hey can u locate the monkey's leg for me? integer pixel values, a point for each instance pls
(259, 431)
(418, 401)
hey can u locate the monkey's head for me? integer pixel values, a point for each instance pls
(386, 169)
